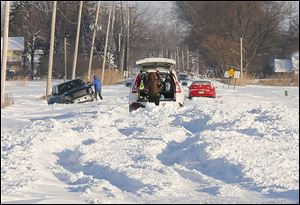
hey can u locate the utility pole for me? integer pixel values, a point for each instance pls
(105, 47)
(119, 43)
(4, 52)
(177, 52)
(198, 61)
(188, 59)
(112, 33)
(77, 41)
(122, 42)
(127, 45)
(51, 49)
(65, 46)
(122, 61)
(93, 42)
(242, 76)
(182, 53)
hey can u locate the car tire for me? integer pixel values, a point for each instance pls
(190, 97)
(156, 100)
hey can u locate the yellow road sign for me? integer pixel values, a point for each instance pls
(231, 72)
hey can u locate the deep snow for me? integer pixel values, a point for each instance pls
(242, 147)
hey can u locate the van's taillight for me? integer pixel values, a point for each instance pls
(135, 85)
(178, 89)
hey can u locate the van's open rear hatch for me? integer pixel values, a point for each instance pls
(148, 64)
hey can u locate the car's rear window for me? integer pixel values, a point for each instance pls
(70, 86)
(182, 77)
(202, 83)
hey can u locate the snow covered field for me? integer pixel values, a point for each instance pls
(242, 147)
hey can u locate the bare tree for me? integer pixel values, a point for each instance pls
(225, 22)
(28, 21)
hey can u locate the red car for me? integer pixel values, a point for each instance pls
(202, 88)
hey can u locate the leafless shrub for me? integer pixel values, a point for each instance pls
(42, 98)
(112, 76)
(282, 80)
(7, 102)
(22, 81)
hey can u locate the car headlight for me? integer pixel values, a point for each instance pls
(90, 90)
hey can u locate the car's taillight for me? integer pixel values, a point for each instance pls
(178, 89)
(135, 85)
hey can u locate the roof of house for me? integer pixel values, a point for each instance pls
(295, 60)
(282, 65)
(14, 43)
(295, 55)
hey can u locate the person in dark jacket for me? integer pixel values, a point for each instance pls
(97, 85)
(154, 86)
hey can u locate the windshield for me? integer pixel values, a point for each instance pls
(65, 87)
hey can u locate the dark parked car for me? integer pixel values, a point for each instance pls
(73, 91)
(183, 79)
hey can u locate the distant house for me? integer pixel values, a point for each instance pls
(283, 66)
(15, 53)
(295, 62)
(287, 65)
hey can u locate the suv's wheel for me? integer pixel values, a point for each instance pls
(156, 100)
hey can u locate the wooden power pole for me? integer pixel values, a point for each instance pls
(187, 60)
(198, 61)
(93, 42)
(178, 58)
(127, 42)
(65, 48)
(77, 41)
(4, 51)
(105, 47)
(111, 36)
(182, 53)
(242, 75)
(51, 49)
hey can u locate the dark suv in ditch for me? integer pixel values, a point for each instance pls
(73, 91)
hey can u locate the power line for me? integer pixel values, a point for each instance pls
(66, 18)
(39, 7)
(88, 40)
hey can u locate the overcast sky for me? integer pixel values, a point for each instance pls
(163, 7)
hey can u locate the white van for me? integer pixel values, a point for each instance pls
(170, 89)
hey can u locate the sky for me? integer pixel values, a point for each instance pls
(163, 7)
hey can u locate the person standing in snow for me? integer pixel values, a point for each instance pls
(154, 86)
(97, 85)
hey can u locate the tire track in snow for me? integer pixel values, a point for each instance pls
(253, 124)
(22, 152)
(70, 160)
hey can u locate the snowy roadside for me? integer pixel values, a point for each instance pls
(242, 147)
